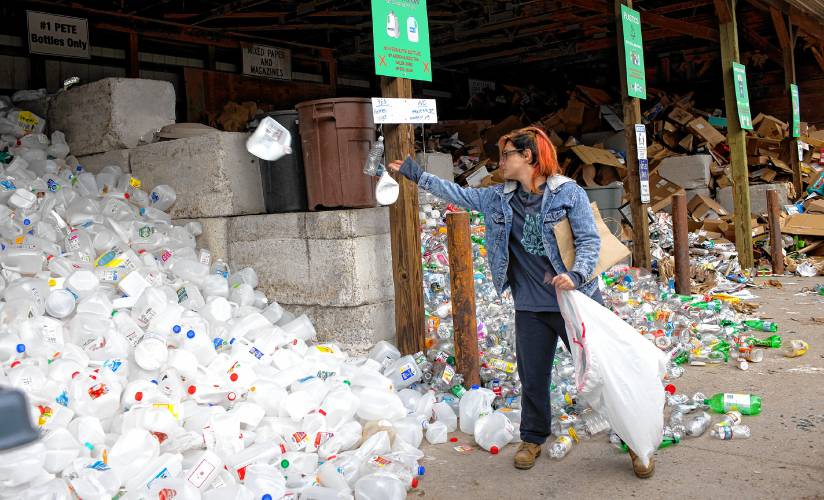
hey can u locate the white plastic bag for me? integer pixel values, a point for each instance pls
(618, 372)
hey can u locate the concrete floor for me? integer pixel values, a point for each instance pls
(784, 458)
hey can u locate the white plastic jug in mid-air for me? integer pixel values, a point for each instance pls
(270, 141)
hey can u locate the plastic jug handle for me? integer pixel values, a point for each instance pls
(325, 110)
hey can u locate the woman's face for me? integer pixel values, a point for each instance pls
(515, 163)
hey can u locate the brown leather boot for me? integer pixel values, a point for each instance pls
(638, 467)
(526, 455)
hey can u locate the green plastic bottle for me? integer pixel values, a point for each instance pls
(761, 325)
(747, 404)
(681, 358)
(714, 305)
(665, 443)
(773, 341)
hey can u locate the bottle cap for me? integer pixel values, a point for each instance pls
(475, 387)
(670, 389)
(421, 470)
(414, 482)
(138, 396)
(494, 450)
(190, 334)
(192, 389)
(284, 464)
(176, 328)
(266, 497)
(21, 348)
(233, 377)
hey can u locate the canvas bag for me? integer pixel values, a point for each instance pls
(612, 250)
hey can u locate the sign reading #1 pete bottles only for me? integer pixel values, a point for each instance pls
(400, 33)
(55, 35)
(634, 51)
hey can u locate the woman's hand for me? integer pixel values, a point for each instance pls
(395, 166)
(563, 282)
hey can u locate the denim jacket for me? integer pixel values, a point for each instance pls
(563, 198)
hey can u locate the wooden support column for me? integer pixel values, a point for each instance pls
(680, 232)
(776, 246)
(632, 115)
(787, 40)
(405, 232)
(211, 57)
(736, 137)
(462, 286)
(133, 60)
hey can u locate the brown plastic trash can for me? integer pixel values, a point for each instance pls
(336, 135)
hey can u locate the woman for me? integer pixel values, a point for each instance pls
(523, 255)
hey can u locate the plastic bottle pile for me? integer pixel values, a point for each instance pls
(698, 330)
(718, 259)
(153, 371)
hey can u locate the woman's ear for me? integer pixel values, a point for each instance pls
(530, 159)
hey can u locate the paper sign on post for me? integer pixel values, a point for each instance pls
(393, 110)
(267, 62)
(643, 163)
(796, 128)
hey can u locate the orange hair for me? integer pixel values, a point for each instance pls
(544, 156)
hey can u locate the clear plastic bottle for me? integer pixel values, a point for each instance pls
(725, 432)
(559, 448)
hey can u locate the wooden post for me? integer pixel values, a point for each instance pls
(632, 115)
(462, 286)
(787, 40)
(211, 57)
(133, 62)
(776, 246)
(736, 137)
(680, 232)
(405, 232)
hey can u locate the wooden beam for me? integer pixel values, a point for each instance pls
(405, 232)
(780, 28)
(462, 289)
(681, 6)
(678, 26)
(680, 243)
(736, 139)
(763, 44)
(133, 59)
(632, 116)
(818, 53)
(722, 9)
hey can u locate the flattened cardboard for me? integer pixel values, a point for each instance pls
(804, 225)
(707, 132)
(594, 156)
(612, 250)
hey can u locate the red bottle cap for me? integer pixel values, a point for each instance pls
(233, 377)
(453, 440)
(670, 389)
(192, 389)
(414, 482)
(494, 450)
(138, 396)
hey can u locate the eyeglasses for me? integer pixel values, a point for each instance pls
(505, 154)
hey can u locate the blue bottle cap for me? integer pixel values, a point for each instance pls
(142, 210)
(190, 334)
(176, 328)
(475, 387)
(21, 348)
(266, 497)
(421, 470)
(26, 222)
(232, 341)
(154, 381)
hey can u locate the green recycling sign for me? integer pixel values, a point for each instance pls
(796, 131)
(742, 97)
(400, 34)
(634, 52)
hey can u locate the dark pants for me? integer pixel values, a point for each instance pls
(536, 338)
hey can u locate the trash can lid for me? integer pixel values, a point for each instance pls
(17, 429)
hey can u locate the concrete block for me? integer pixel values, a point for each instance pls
(758, 196)
(215, 235)
(213, 174)
(689, 172)
(356, 329)
(439, 164)
(341, 272)
(113, 113)
(119, 157)
(354, 223)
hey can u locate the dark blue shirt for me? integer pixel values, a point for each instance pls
(530, 273)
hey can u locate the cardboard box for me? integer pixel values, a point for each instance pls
(703, 207)
(439, 164)
(680, 116)
(593, 156)
(661, 192)
(770, 127)
(814, 206)
(705, 131)
(804, 225)
(689, 172)
(468, 130)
